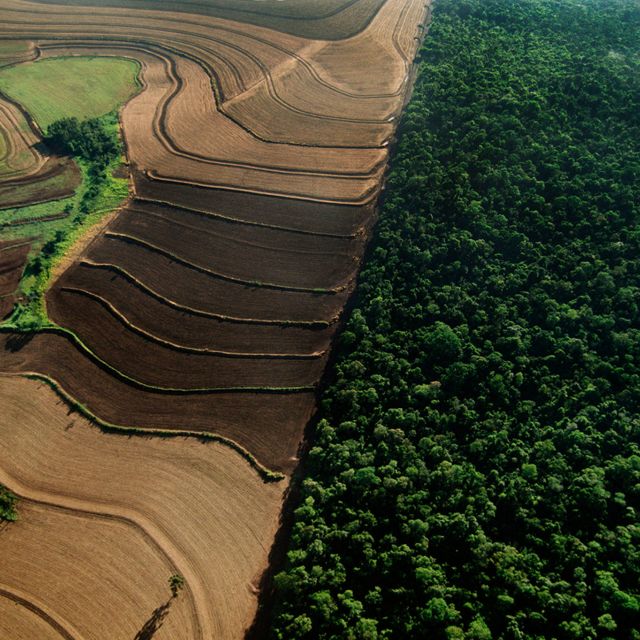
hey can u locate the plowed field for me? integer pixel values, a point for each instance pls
(27, 174)
(125, 515)
(209, 303)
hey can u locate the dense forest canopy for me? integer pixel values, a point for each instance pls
(91, 139)
(476, 472)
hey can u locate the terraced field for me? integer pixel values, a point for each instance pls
(208, 304)
(125, 515)
(27, 174)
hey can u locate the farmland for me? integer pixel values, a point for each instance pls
(201, 315)
(118, 515)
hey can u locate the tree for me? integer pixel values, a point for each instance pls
(176, 584)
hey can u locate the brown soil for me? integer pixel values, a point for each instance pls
(285, 259)
(27, 173)
(13, 256)
(168, 320)
(297, 215)
(204, 291)
(326, 19)
(177, 366)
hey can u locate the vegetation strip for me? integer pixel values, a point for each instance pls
(169, 220)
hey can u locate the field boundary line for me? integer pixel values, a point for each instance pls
(264, 472)
(183, 348)
(77, 342)
(108, 266)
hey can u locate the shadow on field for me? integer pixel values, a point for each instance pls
(16, 341)
(154, 622)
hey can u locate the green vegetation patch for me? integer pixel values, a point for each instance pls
(476, 471)
(100, 193)
(8, 501)
(70, 105)
(81, 87)
(74, 100)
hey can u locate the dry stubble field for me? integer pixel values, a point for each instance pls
(208, 304)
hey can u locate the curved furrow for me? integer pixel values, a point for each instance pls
(366, 198)
(285, 247)
(155, 536)
(125, 237)
(273, 90)
(63, 628)
(162, 367)
(201, 312)
(17, 141)
(266, 422)
(183, 348)
(173, 147)
(249, 223)
(88, 353)
(264, 69)
(284, 261)
(199, 290)
(225, 29)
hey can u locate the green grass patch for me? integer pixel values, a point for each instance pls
(82, 87)
(32, 212)
(13, 47)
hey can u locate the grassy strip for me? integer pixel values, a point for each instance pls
(36, 211)
(99, 193)
(266, 474)
(310, 324)
(116, 373)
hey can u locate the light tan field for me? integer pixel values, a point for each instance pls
(107, 519)
(26, 174)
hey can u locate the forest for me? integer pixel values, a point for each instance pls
(475, 472)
